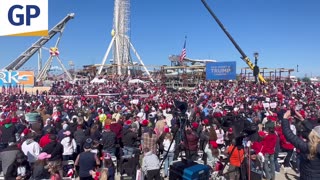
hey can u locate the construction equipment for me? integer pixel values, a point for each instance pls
(25, 56)
(244, 57)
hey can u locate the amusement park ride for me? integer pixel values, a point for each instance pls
(121, 43)
(38, 46)
(121, 48)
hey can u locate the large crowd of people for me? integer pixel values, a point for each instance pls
(94, 131)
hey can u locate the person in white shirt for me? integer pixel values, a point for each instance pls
(168, 153)
(69, 146)
(151, 165)
(220, 137)
(31, 148)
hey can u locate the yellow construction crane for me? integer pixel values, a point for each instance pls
(244, 57)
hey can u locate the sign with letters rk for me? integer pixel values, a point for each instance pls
(13, 78)
(23, 17)
(221, 70)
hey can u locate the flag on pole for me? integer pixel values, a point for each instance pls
(183, 52)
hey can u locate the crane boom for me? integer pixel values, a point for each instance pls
(26, 55)
(244, 57)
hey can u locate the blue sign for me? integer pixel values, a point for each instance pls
(15, 78)
(221, 70)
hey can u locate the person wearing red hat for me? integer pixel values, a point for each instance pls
(108, 140)
(145, 122)
(205, 122)
(195, 125)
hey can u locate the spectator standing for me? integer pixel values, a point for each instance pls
(56, 150)
(310, 162)
(108, 141)
(151, 165)
(150, 141)
(31, 148)
(19, 169)
(69, 146)
(87, 161)
(191, 142)
(8, 155)
(168, 152)
(268, 150)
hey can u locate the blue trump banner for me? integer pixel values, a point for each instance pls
(221, 70)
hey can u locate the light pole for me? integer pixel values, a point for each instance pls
(256, 67)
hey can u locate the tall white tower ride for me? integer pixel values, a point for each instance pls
(120, 41)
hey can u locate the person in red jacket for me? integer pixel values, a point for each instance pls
(286, 146)
(268, 150)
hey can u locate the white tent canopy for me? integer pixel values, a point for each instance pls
(98, 81)
(132, 81)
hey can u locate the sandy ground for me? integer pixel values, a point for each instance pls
(34, 89)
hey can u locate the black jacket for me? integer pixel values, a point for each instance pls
(55, 149)
(8, 132)
(12, 171)
(129, 138)
(108, 140)
(309, 169)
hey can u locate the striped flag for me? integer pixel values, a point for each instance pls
(183, 52)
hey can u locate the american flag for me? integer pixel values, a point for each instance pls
(183, 52)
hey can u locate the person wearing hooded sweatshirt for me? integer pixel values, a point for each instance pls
(31, 148)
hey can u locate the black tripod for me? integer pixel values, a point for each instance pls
(182, 122)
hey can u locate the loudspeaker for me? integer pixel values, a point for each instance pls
(256, 70)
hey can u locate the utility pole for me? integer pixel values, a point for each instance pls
(256, 67)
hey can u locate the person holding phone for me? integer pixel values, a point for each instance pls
(310, 150)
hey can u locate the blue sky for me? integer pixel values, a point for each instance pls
(286, 33)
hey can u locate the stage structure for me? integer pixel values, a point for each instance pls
(120, 42)
(38, 46)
